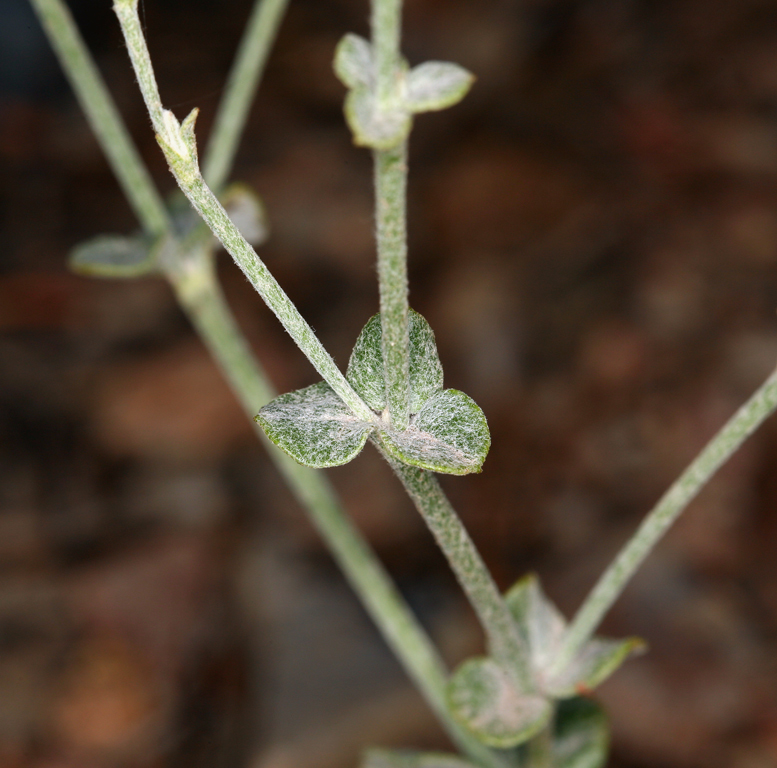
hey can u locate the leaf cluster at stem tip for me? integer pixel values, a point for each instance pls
(484, 697)
(383, 123)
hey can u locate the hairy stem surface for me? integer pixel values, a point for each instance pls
(386, 26)
(206, 308)
(203, 302)
(390, 214)
(609, 587)
(187, 173)
(505, 642)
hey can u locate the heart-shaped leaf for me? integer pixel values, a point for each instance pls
(436, 85)
(365, 368)
(540, 622)
(247, 212)
(484, 698)
(580, 735)
(353, 61)
(314, 427)
(449, 434)
(113, 256)
(543, 627)
(384, 758)
(374, 126)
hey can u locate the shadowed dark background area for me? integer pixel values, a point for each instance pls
(593, 237)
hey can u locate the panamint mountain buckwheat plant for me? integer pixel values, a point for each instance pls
(529, 702)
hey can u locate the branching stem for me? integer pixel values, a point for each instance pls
(205, 306)
(183, 164)
(197, 290)
(505, 642)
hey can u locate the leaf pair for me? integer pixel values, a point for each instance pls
(447, 432)
(579, 740)
(484, 697)
(124, 257)
(428, 87)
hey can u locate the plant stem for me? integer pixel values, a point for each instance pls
(504, 640)
(101, 112)
(386, 27)
(242, 82)
(390, 214)
(198, 292)
(127, 13)
(609, 587)
(205, 306)
(390, 210)
(201, 197)
(187, 173)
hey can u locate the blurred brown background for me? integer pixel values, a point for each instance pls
(593, 236)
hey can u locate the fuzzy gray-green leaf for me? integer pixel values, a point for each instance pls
(365, 368)
(484, 699)
(598, 659)
(113, 256)
(581, 735)
(314, 427)
(353, 61)
(372, 126)
(384, 758)
(449, 434)
(247, 212)
(436, 85)
(543, 627)
(540, 622)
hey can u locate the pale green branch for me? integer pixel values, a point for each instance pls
(612, 583)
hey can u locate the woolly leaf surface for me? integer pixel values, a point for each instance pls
(540, 622)
(598, 659)
(372, 126)
(543, 627)
(436, 85)
(353, 61)
(314, 427)
(484, 699)
(449, 434)
(365, 368)
(113, 256)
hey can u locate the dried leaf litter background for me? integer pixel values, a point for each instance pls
(593, 239)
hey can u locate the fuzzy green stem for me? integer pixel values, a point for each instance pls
(102, 114)
(505, 642)
(609, 587)
(242, 82)
(205, 306)
(198, 293)
(178, 146)
(386, 27)
(127, 13)
(207, 205)
(390, 213)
